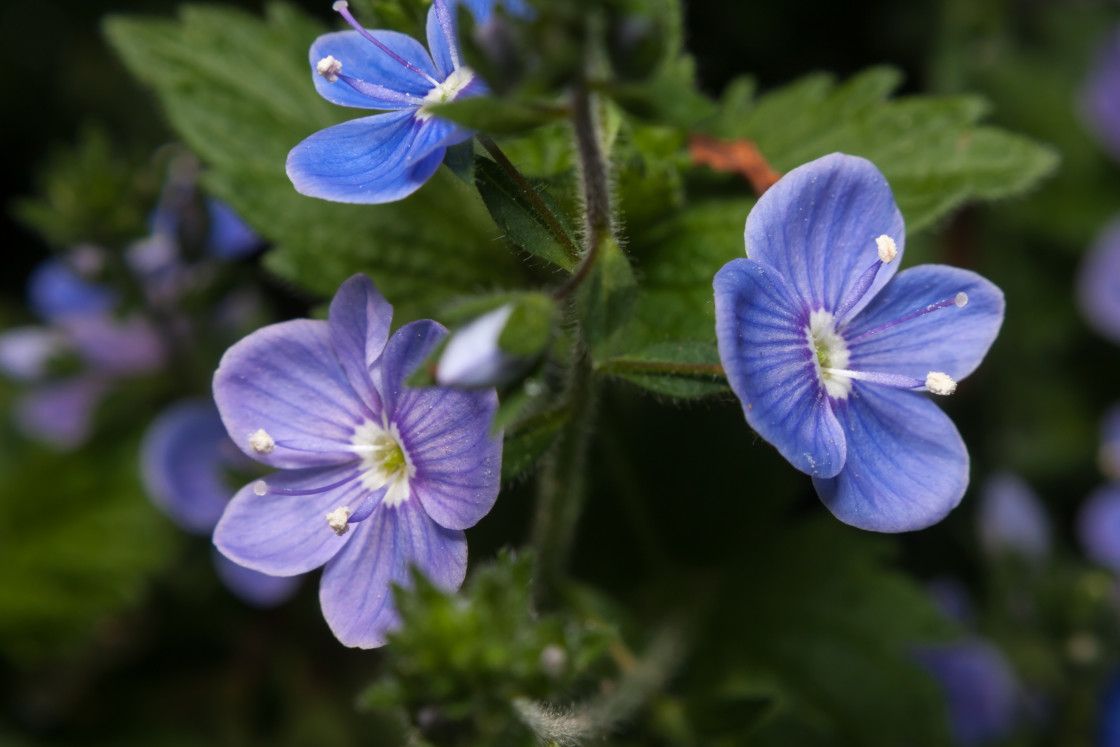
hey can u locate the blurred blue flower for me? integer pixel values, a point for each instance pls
(407, 469)
(185, 461)
(1011, 519)
(387, 156)
(981, 691)
(1108, 714)
(58, 288)
(829, 358)
(1098, 283)
(1101, 95)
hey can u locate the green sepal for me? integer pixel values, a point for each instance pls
(529, 328)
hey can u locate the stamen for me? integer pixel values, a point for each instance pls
(261, 442)
(260, 487)
(329, 68)
(374, 90)
(888, 250)
(940, 383)
(958, 301)
(338, 520)
(343, 9)
(307, 491)
(894, 381)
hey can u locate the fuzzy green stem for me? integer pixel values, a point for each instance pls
(623, 366)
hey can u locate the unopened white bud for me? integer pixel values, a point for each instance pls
(940, 383)
(329, 67)
(961, 299)
(888, 250)
(262, 443)
(338, 520)
(260, 487)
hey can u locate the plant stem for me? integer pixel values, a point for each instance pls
(620, 366)
(531, 194)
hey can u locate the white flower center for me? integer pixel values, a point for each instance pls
(829, 351)
(446, 91)
(384, 461)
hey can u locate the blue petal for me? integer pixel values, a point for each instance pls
(56, 290)
(407, 348)
(1098, 526)
(907, 465)
(355, 591)
(286, 380)
(368, 160)
(1098, 283)
(119, 347)
(1108, 714)
(1011, 519)
(1100, 99)
(359, 325)
(761, 326)
(182, 461)
(363, 60)
(253, 587)
(25, 352)
(483, 10)
(284, 535)
(229, 237)
(443, 38)
(61, 413)
(952, 340)
(818, 224)
(435, 134)
(980, 688)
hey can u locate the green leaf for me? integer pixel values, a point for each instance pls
(238, 90)
(526, 443)
(606, 298)
(686, 369)
(932, 150)
(669, 97)
(549, 237)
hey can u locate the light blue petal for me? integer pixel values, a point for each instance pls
(25, 352)
(952, 340)
(817, 227)
(286, 380)
(229, 236)
(55, 290)
(253, 587)
(981, 692)
(359, 323)
(369, 160)
(1098, 283)
(760, 326)
(284, 535)
(118, 347)
(443, 37)
(907, 466)
(483, 10)
(406, 349)
(1098, 526)
(1011, 519)
(355, 591)
(182, 463)
(1100, 97)
(435, 134)
(362, 59)
(61, 413)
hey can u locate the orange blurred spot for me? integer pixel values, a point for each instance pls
(735, 157)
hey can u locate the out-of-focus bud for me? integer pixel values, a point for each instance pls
(494, 50)
(1011, 519)
(497, 347)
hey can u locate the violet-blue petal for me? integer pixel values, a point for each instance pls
(443, 37)
(760, 326)
(1011, 519)
(229, 236)
(359, 321)
(1101, 95)
(362, 59)
(369, 160)
(284, 535)
(818, 224)
(253, 587)
(483, 10)
(355, 591)
(55, 290)
(1098, 526)
(25, 352)
(182, 465)
(1108, 713)
(61, 413)
(406, 349)
(116, 346)
(951, 340)
(1098, 283)
(981, 691)
(907, 465)
(285, 379)
(458, 460)
(434, 134)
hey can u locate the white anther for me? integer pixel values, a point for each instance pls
(261, 443)
(329, 67)
(888, 250)
(260, 487)
(338, 519)
(940, 383)
(339, 6)
(961, 299)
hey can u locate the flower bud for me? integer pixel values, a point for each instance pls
(473, 358)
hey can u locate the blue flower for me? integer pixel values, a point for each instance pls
(387, 156)
(1098, 283)
(185, 461)
(1011, 519)
(981, 691)
(1100, 101)
(828, 350)
(373, 477)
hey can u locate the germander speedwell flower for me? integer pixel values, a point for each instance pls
(387, 156)
(830, 352)
(374, 477)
